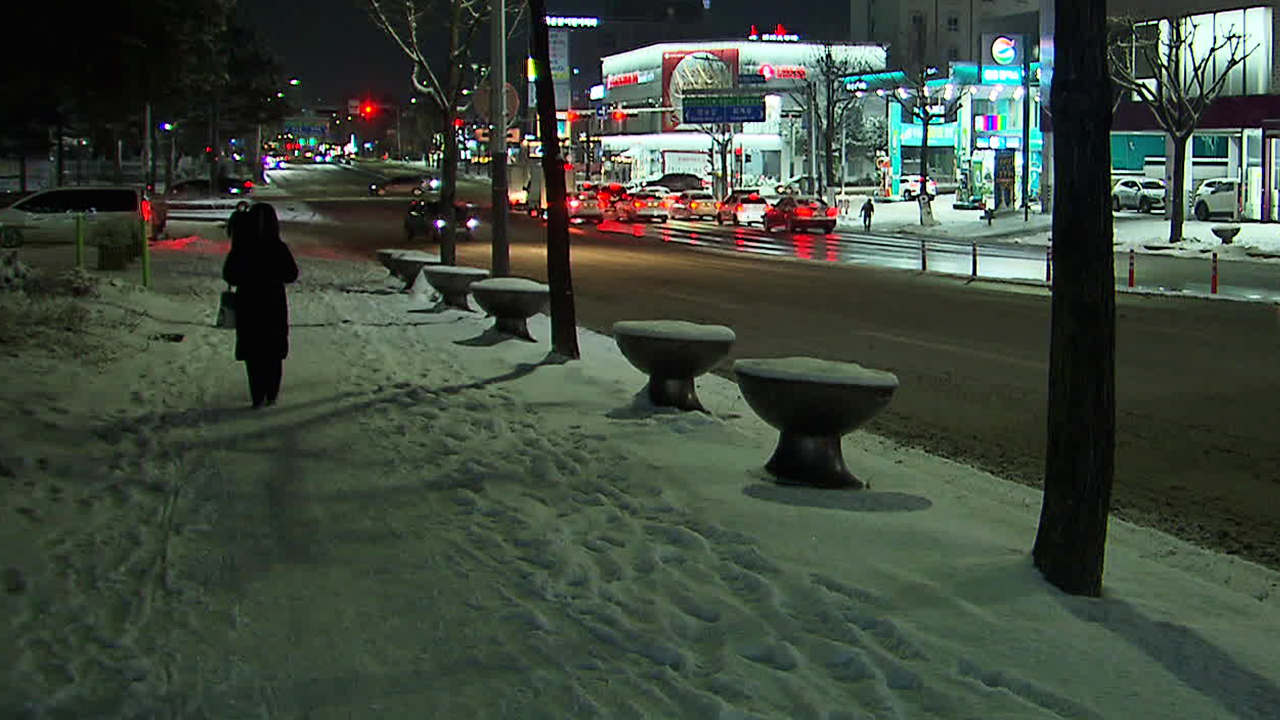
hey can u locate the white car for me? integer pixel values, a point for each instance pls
(909, 187)
(1218, 196)
(49, 216)
(641, 207)
(1141, 194)
(693, 204)
(585, 207)
(742, 207)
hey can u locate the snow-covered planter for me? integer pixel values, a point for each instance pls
(511, 301)
(13, 272)
(813, 403)
(453, 282)
(673, 353)
(116, 241)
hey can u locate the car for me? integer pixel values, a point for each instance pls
(49, 216)
(797, 213)
(272, 162)
(404, 185)
(198, 188)
(1216, 196)
(1141, 194)
(909, 187)
(679, 182)
(586, 206)
(425, 217)
(742, 207)
(797, 184)
(693, 204)
(641, 207)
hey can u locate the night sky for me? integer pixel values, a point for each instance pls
(335, 50)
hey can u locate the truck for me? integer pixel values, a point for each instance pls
(526, 189)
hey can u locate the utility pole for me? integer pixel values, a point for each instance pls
(500, 263)
(148, 151)
(1026, 133)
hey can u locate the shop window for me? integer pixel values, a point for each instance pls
(953, 54)
(953, 23)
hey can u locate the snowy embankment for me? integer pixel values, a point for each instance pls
(435, 525)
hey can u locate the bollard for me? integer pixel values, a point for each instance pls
(146, 254)
(973, 272)
(924, 258)
(80, 240)
(1048, 266)
(1132, 255)
(1213, 282)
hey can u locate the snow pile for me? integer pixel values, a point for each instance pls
(13, 272)
(488, 531)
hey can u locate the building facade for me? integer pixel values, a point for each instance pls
(642, 131)
(942, 30)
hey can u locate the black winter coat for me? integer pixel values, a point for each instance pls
(259, 270)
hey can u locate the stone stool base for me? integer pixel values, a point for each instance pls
(812, 460)
(678, 393)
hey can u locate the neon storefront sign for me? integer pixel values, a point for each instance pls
(783, 72)
(630, 78)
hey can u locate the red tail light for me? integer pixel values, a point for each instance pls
(146, 210)
(804, 211)
(248, 183)
(768, 207)
(719, 205)
(832, 212)
(693, 205)
(639, 203)
(739, 208)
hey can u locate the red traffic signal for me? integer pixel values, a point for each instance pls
(619, 115)
(458, 122)
(571, 116)
(367, 109)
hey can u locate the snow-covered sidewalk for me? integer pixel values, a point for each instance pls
(435, 523)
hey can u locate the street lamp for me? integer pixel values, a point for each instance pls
(294, 81)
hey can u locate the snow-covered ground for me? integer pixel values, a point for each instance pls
(438, 523)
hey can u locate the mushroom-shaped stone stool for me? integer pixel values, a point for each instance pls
(386, 255)
(813, 403)
(453, 282)
(1226, 233)
(672, 353)
(511, 301)
(408, 264)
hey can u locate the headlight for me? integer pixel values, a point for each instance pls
(472, 223)
(373, 187)
(440, 223)
(434, 184)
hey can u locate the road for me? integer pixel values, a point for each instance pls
(1198, 392)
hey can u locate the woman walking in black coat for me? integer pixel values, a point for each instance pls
(259, 265)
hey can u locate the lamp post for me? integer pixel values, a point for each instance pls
(171, 130)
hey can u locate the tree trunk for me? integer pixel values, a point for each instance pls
(564, 330)
(1079, 463)
(1178, 193)
(724, 142)
(449, 160)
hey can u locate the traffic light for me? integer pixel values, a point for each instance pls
(458, 122)
(571, 116)
(619, 115)
(367, 110)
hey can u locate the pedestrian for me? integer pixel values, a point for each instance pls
(259, 265)
(242, 209)
(868, 209)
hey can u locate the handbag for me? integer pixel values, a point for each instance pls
(226, 309)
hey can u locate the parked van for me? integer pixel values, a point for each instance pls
(49, 216)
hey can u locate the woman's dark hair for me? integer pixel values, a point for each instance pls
(261, 222)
